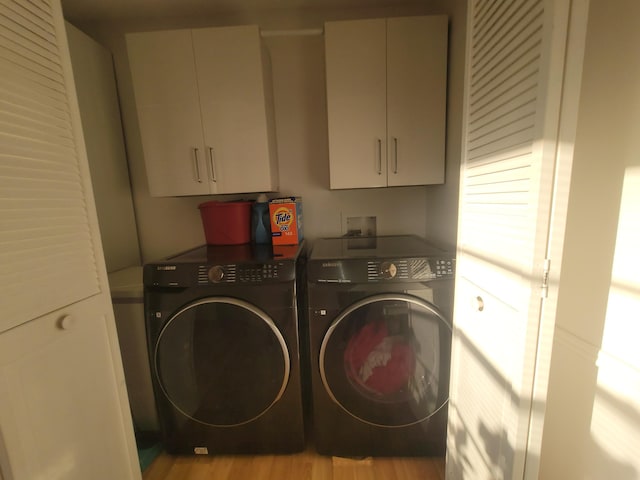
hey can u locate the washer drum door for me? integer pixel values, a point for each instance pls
(385, 360)
(221, 361)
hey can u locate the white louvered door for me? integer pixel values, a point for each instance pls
(64, 412)
(514, 72)
(47, 249)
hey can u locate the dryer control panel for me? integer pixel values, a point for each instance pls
(383, 259)
(419, 269)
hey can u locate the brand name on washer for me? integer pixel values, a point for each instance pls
(330, 264)
(165, 267)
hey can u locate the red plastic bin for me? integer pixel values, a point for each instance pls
(226, 223)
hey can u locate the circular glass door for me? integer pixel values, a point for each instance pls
(385, 360)
(221, 361)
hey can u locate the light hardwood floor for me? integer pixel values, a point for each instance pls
(307, 465)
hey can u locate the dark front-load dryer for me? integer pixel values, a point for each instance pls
(222, 330)
(380, 345)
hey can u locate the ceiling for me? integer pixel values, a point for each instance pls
(91, 10)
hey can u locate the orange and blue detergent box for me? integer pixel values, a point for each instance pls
(286, 220)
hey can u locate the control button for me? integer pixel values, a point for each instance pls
(388, 270)
(216, 274)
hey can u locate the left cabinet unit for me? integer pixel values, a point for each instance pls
(205, 110)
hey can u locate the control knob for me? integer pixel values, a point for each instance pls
(216, 274)
(388, 270)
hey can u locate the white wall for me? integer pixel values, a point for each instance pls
(168, 225)
(592, 422)
(100, 113)
(442, 200)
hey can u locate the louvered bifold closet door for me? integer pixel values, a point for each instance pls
(501, 162)
(46, 248)
(512, 97)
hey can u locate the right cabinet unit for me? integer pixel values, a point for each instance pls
(386, 101)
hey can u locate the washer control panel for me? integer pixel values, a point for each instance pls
(187, 275)
(245, 273)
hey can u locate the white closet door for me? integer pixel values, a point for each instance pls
(512, 97)
(60, 410)
(47, 246)
(63, 404)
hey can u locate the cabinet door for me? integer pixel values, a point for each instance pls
(164, 81)
(235, 117)
(356, 97)
(416, 99)
(60, 412)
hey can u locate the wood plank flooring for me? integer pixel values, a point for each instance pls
(306, 465)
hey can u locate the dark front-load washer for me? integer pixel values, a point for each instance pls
(380, 345)
(222, 330)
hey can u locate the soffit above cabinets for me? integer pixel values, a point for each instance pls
(89, 10)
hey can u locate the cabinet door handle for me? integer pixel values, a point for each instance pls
(379, 157)
(196, 165)
(395, 155)
(212, 170)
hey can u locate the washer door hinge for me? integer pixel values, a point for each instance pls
(544, 291)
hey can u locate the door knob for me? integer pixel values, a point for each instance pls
(66, 322)
(478, 303)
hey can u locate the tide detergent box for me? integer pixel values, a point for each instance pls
(286, 220)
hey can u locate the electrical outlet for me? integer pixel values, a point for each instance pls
(359, 226)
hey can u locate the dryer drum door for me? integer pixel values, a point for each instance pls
(221, 361)
(385, 360)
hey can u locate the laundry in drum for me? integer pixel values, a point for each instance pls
(379, 362)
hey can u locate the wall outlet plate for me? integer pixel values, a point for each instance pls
(358, 226)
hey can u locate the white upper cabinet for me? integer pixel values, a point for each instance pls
(386, 101)
(205, 110)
